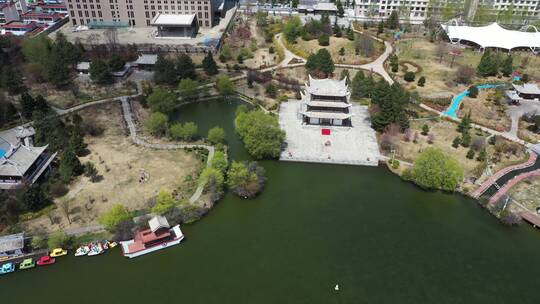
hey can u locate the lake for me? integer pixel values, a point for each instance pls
(381, 239)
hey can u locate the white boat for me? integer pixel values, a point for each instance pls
(83, 250)
(96, 249)
(159, 236)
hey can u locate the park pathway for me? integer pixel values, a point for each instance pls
(128, 117)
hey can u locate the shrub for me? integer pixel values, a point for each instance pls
(434, 169)
(421, 81)
(157, 123)
(59, 240)
(271, 90)
(324, 40)
(186, 131)
(409, 76)
(464, 75)
(164, 203)
(246, 179)
(470, 154)
(117, 214)
(260, 132)
(456, 142)
(216, 135)
(473, 92)
(425, 129)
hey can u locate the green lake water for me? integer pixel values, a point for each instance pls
(382, 240)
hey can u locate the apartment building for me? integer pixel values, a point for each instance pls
(140, 13)
(418, 10)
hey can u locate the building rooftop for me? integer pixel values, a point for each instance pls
(493, 35)
(325, 6)
(15, 135)
(17, 161)
(12, 242)
(83, 66)
(146, 59)
(173, 19)
(527, 88)
(329, 115)
(158, 222)
(327, 87)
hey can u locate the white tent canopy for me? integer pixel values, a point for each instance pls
(493, 36)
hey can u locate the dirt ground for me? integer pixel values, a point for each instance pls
(121, 164)
(485, 112)
(82, 91)
(527, 193)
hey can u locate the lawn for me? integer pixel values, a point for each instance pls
(485, 111)
(81, 91)
(120, 163)
(444, 133)
(526, 134)
(439, 71)
(527, 193)
(304, 48)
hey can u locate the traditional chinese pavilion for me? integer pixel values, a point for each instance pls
(326, 102)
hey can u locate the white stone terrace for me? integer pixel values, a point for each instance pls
(355, 145)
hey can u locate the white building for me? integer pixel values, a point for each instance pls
(416, 11)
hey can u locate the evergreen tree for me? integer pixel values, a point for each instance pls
(392, 101)
(70, 53)
(340, 10)
(320, 62)
(465, 124)
(76, 142)
(7, 111)
(345, 75)
(488, 65)
(116, 63)
(164, 71)
(40, 104)
(58, 72)
(357, 85)
(28, 105)
(100, 72)
(380, 28)
(337, 29)
(506, 67)
(393, 20)
(12, 81)
(185, 67)
(209, 65)
(69, 165)
(350, 33)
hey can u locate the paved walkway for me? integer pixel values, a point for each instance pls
(516, 111)
(128, 117)
(492, 179)
(84, 230)
(288, 54)
(511, 183)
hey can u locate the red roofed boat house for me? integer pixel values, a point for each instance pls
(157, 237)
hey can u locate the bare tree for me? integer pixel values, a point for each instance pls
(65, 206)
(50, 215)
(441, 50)
(93, 39)
(111, 37)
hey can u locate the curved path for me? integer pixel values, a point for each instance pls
(128, 117)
